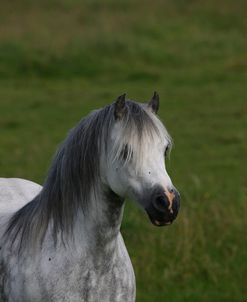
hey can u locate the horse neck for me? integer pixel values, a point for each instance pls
(100, 222)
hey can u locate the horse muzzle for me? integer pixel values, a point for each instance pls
(164, 206)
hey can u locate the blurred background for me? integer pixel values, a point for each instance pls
(60, 59)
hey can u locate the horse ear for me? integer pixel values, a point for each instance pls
(120, 106)
(154, 103)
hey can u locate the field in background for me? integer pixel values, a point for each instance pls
(61, 59)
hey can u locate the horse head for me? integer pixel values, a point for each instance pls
(134, 163)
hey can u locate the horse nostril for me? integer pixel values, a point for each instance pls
(175, 205)
(162, 202)
(171, 190)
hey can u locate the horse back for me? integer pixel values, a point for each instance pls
(15, 193)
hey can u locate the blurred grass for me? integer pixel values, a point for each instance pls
(61, 59)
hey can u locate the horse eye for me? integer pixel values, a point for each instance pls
(166, 151)
(125, 152)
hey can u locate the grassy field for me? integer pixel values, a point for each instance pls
(61, 59)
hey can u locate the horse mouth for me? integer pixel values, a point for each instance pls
(161, 223)
(158, 221)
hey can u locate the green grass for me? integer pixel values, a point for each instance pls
(61, 59)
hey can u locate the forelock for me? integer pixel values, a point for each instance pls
(137, 130)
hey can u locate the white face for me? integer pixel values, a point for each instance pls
(145, 168)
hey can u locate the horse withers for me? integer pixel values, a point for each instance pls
(62, 241)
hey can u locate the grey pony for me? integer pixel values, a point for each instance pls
(62, 242)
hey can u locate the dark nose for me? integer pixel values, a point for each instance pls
(167, 202)
(164, 206)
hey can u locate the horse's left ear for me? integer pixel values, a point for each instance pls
(120, 107)
(154, 103)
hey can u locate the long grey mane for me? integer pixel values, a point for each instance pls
(75, 173)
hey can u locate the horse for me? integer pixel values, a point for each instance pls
(62, 242)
